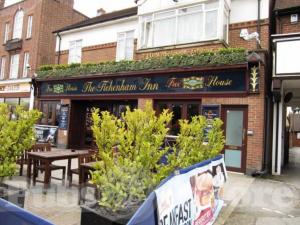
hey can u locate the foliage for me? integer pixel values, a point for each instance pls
(129, 173)
(16, 135)
(195, 144)
(195, 59)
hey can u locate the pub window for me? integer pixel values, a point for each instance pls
(184, 25)
(6, 32)
(14, 66)
(125, 45)
(18, 25)
(2, 67)
(75, 51)
(50, 110)
(1, 100)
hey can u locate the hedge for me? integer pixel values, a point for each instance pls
(224, 56)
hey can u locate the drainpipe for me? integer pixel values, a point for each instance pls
(59, 47)
(258, 23)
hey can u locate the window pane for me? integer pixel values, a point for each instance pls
(190, 28)
(192, 110)
(191, 9)
(234, 128)
(29, 27)
(6, 32)
(18, 24)
(1, 100)
(164, 32)
(2, 67)
(26, 64)
(211, 24)
(14, 66)
(24, 102)
(233, 158)
(177, 115)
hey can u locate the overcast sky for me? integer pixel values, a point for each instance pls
(89, 7)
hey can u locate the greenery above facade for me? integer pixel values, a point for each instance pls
(133, 157)
(226, 56)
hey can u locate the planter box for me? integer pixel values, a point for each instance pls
(92, 214)
(12, 194)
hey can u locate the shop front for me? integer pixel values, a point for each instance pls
(17, 92)
(224, 92)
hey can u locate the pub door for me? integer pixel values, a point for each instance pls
(235, 127)
(180, 109)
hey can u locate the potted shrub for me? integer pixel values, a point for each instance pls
(16, 135)
(125, 177)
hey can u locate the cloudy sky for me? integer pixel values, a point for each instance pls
(89, 7)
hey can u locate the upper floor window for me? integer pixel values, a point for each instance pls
(18, 24)
(2, 67)
(29, 27)
(125, 46)
(14, 66)
(26, 65)
(182, 25)
(6, 32)
(75, 51)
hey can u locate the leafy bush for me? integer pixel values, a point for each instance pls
(132, 171)
(16, 135)
(195, 59)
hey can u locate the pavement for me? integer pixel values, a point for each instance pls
(248, 200)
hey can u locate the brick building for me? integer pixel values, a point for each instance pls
(285, 35)
(27, 42)
(157, 28)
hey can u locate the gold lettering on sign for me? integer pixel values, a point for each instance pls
(215, 81)
(49, 89)
(71, 88)
(174, 83)
(88, 87)
(148, 86)
(109, 86)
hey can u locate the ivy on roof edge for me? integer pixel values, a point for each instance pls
(225, 56)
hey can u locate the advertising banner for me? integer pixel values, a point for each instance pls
(46, 134)
(193, 197)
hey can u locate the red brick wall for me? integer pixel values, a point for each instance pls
(236, 41)
(48, 15)
(284, 25)
(255, 103)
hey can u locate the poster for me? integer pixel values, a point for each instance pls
(194, 197)
(210, 112)
(46, 133)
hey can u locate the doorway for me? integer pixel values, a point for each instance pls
(80, 132)
(180, 109)
(235, 127)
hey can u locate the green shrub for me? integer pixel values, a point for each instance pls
(135, 169)
(221, 57)
(46, 68)
(16, 136)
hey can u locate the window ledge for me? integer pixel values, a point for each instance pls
(180, 46)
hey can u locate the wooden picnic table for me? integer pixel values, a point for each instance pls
(84, 171)
(47, 158)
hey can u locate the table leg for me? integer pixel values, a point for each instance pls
(29, 161)
(69, 168)
(34, 172)
(47, 174)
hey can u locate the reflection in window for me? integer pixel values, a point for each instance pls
(50, 110)
(24, 102)
(192, 110)
(177, 115)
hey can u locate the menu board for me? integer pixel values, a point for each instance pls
(210, 112)
(64, 117)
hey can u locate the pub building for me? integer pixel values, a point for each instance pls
(235, 92)
(225, 92)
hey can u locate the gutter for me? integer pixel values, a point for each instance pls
(59, 47)
(258, 23)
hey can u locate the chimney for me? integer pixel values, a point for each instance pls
(2, 2)
(100, 12)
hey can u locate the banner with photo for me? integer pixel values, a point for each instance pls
(194, 197)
